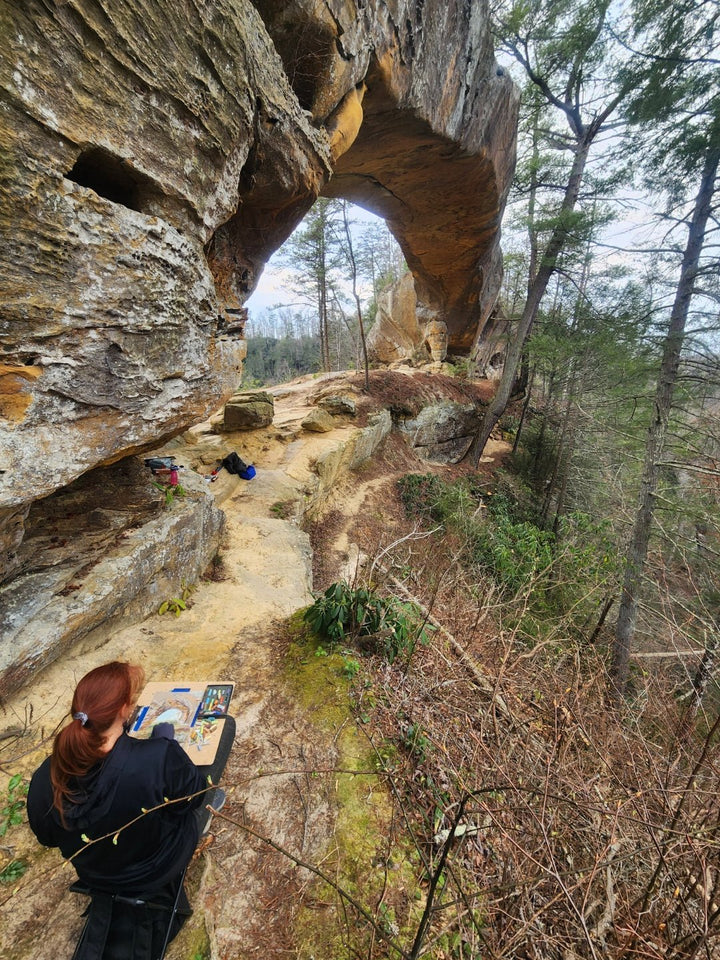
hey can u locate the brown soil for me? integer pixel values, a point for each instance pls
(405, 392)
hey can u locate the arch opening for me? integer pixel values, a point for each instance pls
(306, 312)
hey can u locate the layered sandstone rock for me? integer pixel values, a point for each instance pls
(319, 421)
(395, 334)
(128, 132)
(109, 545)
(435, 152)
(155, 154)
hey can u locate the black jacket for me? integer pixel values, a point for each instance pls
(135, 775)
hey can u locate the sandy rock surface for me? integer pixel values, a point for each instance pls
(227, 631)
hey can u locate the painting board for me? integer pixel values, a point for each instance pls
(171, 701)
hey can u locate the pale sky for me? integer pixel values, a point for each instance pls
(271, 289)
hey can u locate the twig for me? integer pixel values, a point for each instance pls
(323, 876)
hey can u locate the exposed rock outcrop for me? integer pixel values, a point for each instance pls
(98, 549)
(129, 134)
(156, 154)
(339, 405)
(395, 335)
(489, 353)
(436, 340)
(435, 153)
(442, 432)
(247, 411)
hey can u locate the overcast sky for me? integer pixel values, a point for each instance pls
(271, 289)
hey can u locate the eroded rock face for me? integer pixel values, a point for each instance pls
(395, 334)
(104, 546)
(436, 340)
(155, 154)
(128, 133)
(442, 432)
(489, 353)
(436, 149)
(339, 405)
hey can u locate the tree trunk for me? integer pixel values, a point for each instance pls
(672, 347)
(526, 405)
(578, 367)
(605, 610)
(358, 305)
(536, 291)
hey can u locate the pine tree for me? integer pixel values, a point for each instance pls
(312, 254)
(677, 111)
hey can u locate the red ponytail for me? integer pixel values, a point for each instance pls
(99, 697)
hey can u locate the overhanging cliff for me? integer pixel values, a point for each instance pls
(154, 155)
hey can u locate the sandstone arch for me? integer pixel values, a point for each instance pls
(442, 200)
(204, 144)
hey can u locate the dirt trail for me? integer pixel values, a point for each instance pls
(239, 890)
(227, 631)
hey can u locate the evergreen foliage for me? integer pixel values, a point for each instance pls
(337, 268)
(383, 625)
(274, 360)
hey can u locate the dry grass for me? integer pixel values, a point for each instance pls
(587, 831)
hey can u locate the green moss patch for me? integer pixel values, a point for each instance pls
(366, 858)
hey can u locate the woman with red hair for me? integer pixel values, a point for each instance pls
(128, 812)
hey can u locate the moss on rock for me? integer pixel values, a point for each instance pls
(364, 858)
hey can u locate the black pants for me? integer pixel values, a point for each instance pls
(216, 769)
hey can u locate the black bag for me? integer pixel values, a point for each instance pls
(233, 464)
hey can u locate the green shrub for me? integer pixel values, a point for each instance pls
(378, 624)
(11, 813)
(13, 871)
(509, 549)
(512, 553)
(569, 572)
(419, 493)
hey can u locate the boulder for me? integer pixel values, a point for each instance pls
(318, 421)
(340, 406)
(248, 411)
(442, 432)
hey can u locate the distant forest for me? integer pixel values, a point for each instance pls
(277, 359)
(336, 268)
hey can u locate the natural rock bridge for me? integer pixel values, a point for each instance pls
(155, 154)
